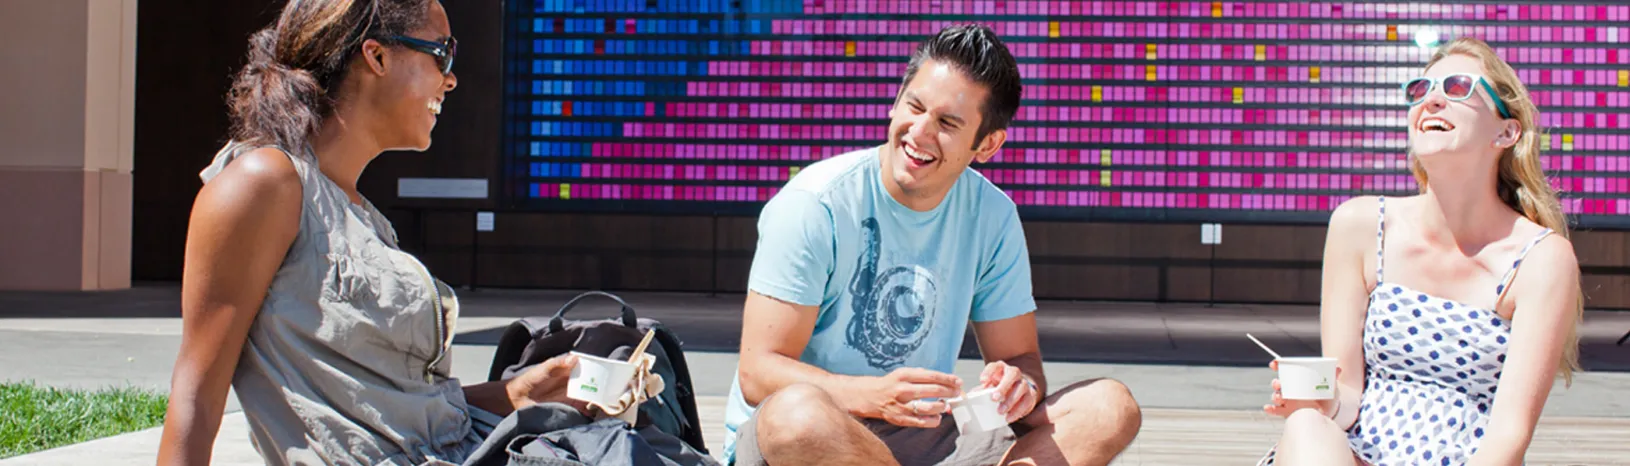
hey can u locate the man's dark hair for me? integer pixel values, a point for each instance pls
(975, 51)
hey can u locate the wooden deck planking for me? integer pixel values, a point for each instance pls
(1226, 437)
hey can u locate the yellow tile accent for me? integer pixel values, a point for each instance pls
(1149, 73)
(1239, 95)
(849, 49)
(1261, 53)
(1052, 29)
(791, 172)
(1150, 51)
(1097, 93)
(1567, 142)
(1545, 144)
(1104, 158)
(565, 191)
(1216, 9)
(1103, 178)
(1624, 78)
(1313, 74)
(1392, 32)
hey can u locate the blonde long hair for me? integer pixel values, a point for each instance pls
(1521, 181)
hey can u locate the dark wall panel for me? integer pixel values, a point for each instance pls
(186, 53)
(1604, 257)
(1184, 283)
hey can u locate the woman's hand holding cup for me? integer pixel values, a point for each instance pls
(1283, 407)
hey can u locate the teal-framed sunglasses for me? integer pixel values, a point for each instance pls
(444, 51)
(1456, 87)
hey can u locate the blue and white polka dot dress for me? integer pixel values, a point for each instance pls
(1432, 366)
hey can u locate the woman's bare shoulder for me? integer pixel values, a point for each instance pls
(263, 175)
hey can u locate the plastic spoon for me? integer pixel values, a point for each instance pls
(1264, 347)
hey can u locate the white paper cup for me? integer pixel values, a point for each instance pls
(1307, 378)
(976, 412)
(599, 380)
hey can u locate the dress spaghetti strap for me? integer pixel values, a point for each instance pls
(1380, 238)
(1499, 290)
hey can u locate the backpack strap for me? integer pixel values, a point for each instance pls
(558, 322)
(691, 432)
(512, 345)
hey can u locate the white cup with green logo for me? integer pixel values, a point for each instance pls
(1307, 378)
(599, 380)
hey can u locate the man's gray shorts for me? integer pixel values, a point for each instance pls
(912, 446)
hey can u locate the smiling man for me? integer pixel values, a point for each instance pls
(870, 266)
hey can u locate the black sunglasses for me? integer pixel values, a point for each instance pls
(444, 51)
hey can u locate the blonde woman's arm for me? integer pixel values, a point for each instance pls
(1547, 293)
(1343, 300)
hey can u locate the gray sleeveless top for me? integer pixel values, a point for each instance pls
(347, 361)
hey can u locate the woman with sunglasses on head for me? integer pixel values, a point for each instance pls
(1433, 303)
(294, 292)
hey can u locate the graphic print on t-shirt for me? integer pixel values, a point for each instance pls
(894, 310)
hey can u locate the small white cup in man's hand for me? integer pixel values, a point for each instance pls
(976, 412)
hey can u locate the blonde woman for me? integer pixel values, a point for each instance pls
(1434, 303)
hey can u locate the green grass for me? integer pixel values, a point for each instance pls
(34, 418)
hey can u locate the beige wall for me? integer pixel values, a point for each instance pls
(67, 118)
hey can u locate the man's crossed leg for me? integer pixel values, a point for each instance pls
(1086, 423)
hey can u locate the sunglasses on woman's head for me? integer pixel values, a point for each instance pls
(444, 51)
(1456, 87)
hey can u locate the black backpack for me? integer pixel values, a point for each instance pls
(532, 340)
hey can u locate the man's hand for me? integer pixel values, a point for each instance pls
(1015, 391)
(545, 383)
(899, 397)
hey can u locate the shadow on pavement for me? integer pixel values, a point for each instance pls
(1102, 332)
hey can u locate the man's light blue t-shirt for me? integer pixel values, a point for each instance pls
(896, 287)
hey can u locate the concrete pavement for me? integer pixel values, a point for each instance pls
(1180, 357)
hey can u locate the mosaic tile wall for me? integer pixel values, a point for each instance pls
(1266, 111)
